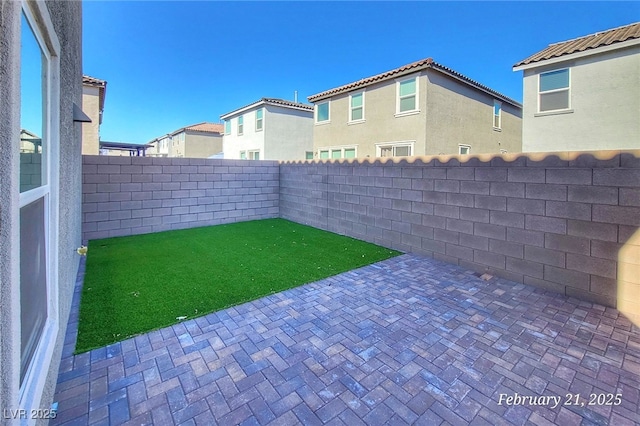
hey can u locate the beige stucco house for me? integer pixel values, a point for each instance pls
(93, 94)
(269, 129)
(418, 109)
(583, 94)
(200, 140)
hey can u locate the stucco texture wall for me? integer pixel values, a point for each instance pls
(288, 133)
(604, 105)
(67, 21)
(91, 131)
(201, 145)
(567, 222)
(380, 124)
(458, 114)
(9, 189)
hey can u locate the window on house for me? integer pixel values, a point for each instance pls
(497, 115)
(322, 112)
(308, 155)
(464, 149)
(356, 110)
(324, 154)
(227, 127)
(254, 155)
(243, 155)
(258, 120)
(407, 95)
(240, 125)
(553, 90)
(349, 153)
(395, 150)
(336, 153)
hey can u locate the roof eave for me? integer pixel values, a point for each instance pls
(521, 66)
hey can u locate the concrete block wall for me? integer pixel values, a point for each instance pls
(136, 195)
(561, 222)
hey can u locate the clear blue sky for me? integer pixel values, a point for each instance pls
(171, 64)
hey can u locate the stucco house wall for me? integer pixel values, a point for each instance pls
(605, 105)
(451, 110)
(91, 131)
(65, 20)
(457, 114)
(288, 133)
(250, 139)
(380, 123)
(201, 145)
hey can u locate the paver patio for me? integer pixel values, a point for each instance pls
(409, 340)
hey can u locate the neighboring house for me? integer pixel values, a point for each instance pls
(40, 199)
(417, 109)
(269, 129)
(159, 147)
(123, 149)
(583, 94)
(200, 140)
(30, 142)
(93, 95)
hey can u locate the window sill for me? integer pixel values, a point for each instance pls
(556, 112)
(405, 113)
(497, 129)
(320, 123)
(356, 122)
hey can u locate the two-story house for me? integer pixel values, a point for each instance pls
(94, 92)
(200, 140)
(418, 109)
(269, 129)
(583, 94)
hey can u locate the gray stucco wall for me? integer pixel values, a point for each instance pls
(137, 195)
(288, 133)
(556, 221)
(604, 107)
(202, 145)
(459, 114)
(66, 19)
(9, 189)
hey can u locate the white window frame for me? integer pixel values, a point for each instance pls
(227, 127)
(317, 106)
(464, 146)
(340, 148)
(260, 120)
(32, 387)
(243, 155)
(493, 112)
(395, 144)
(416, 109)
(567, 89)
(251, 154)
(359, 120)
(241, 125)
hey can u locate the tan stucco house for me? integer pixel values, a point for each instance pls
(201, 140)
(418, 109)
(583, 94)
(93, 94)
(269, 129)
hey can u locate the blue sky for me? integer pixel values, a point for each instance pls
(171, 64)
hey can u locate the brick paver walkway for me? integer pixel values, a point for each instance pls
(406, 341)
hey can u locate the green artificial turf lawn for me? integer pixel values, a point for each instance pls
(140, 283)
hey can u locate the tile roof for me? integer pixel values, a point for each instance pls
(272, 101)
(581, 44)
(92, 81)
(408, 69)
(205, 127)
